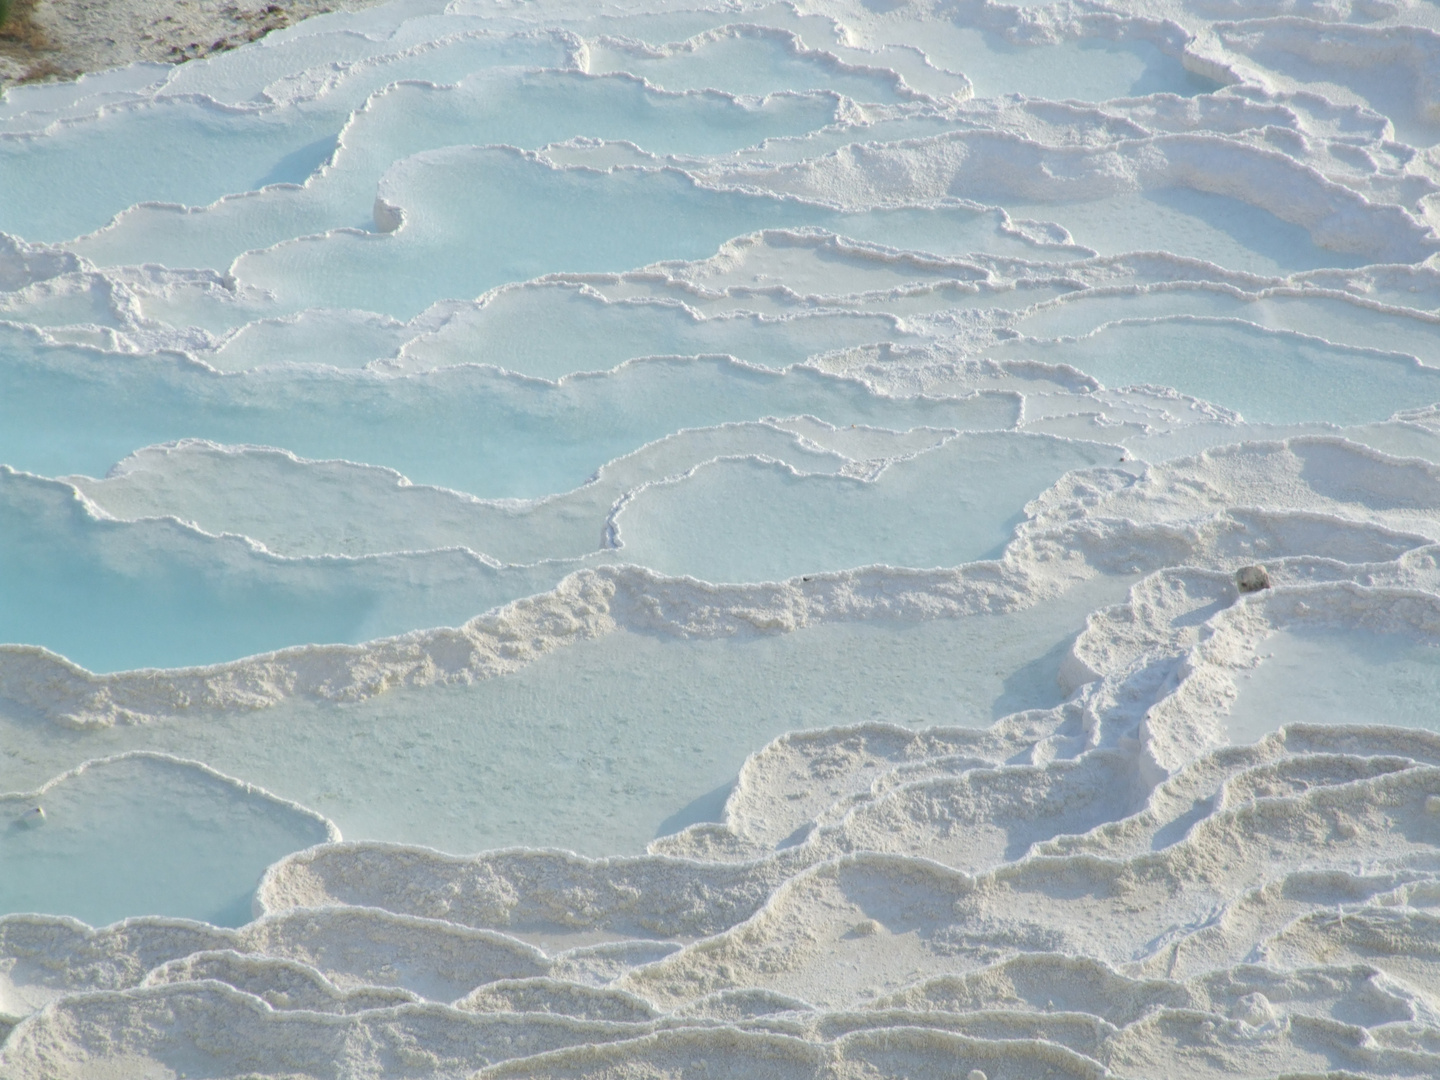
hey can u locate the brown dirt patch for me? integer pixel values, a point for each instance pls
(23, 42)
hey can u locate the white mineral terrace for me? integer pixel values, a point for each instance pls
(813, 540)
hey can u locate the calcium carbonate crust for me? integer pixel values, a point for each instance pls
(1106, 888)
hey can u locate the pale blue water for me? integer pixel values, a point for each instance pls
(1090, 69)
(477, 429)
(193, 152)
(746, 64)
(1336, 320)
(519, 109)
(1264, 376)
(1338, 676)
(534, 333)
(480, 217)
(1196, 224)
(746, 520)
(68, 581)
(145, 834)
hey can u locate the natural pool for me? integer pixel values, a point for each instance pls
(1339, 676)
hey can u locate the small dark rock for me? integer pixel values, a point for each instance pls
(1252, 579)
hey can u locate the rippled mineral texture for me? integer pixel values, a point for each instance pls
(690, 539)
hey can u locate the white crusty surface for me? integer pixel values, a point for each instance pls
(1108, 885)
